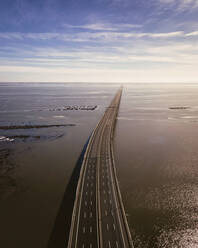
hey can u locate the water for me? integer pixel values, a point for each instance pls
(155, 149)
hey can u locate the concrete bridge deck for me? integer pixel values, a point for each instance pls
(99, 219)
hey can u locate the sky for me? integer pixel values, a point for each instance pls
(99, 41)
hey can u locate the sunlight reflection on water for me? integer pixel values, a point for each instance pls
(156, 158)
(156, 151)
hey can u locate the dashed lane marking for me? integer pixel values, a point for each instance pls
(107, 227)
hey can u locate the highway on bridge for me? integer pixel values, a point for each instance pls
(99, 219)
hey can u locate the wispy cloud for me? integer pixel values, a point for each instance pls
(21, 36)
(181, 5)
(89, 36)
(125, 54)
(115, 38)
(104, 26)
(195, 33)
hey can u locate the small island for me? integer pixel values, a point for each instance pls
(179, 107)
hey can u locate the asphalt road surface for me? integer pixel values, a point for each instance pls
(99, 218)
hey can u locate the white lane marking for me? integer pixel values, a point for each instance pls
(114, 226)
(85, 214)
(112, 212)
(86, 193)
(85, 203)
(90, 214)
(107, 227)
(91, 192)
(90, 245)
(106, 212)
(90, 229)
(114, 197)
(83, 229)
(117, 244)
(83, 246)
(109, 244)
(91, 202)
(110, 201)
(87, 184)
(105, 201)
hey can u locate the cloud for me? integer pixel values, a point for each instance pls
(125, 54)
(11, 35)
(165, 35)
(89, 36)
(188, 4)
(104, 26)
(147, 60)
(22, 36)
(195, 33)
(104, 37)
(181, 5)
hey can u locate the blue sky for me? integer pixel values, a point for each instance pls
(99, 40)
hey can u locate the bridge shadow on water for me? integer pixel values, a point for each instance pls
(60, 233)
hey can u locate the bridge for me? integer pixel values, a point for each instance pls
(98, 219)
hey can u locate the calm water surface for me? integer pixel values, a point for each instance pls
(155, 149)
(157, 158)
